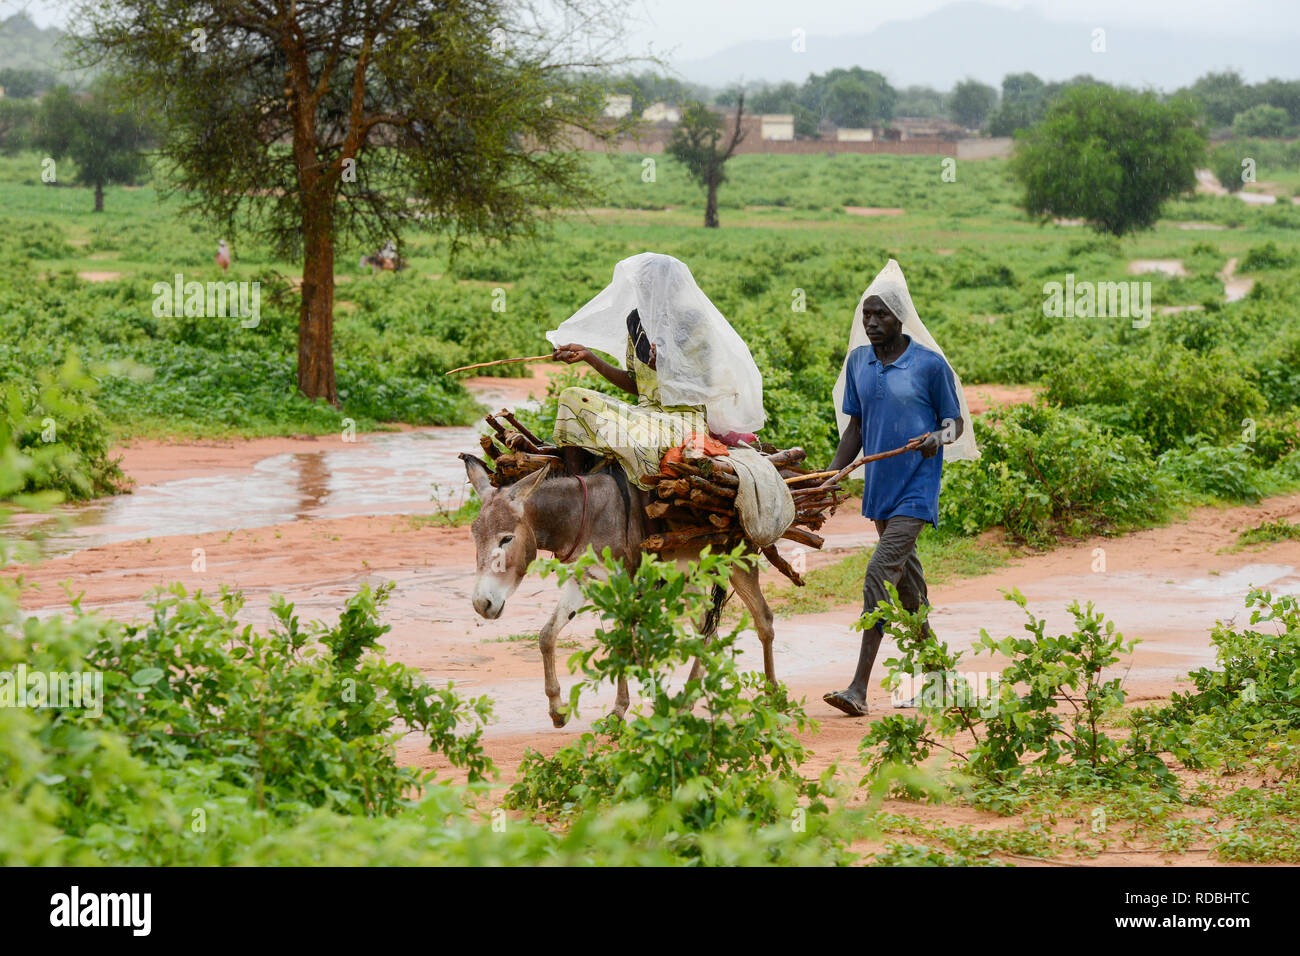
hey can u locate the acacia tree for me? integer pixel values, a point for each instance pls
(697, 143)
(310, 121)
(95, 131)
(1109, 157)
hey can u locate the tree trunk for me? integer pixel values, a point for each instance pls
(99, 195)
(711, 206)
(316, 318)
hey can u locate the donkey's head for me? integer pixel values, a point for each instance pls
(503, 539)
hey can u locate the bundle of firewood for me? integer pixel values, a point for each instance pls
(521, 451)
(698, 503)
(695, 500)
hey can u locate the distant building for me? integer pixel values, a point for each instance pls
(777, 126)
(915, 127)
(618, 105)
(661, 113)
(849, 135)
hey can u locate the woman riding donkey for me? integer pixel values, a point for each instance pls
(690, 372)
(683, 363)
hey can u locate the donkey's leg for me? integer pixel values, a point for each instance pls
(570, 600)
(745, 580)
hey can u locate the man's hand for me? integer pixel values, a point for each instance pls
(949, 430)
(569, 354)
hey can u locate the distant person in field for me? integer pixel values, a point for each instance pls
(895, 385)
(223, 255)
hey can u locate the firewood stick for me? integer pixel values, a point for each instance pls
(510, 417)
(496, 426)
(702, 506)
(704, 498)
(867, 459)
(804, 537)
(519, 443)
(795, 479)
(782, 565)
(787, 457)
(708, 487)
(677, 539)
(489, 447)
(509, 361)
(720, 521)
(657, 509)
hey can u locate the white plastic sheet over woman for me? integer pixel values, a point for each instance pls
(699, 375)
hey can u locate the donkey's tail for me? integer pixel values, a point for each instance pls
(714, 614)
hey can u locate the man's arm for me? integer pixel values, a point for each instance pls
(943, 393)
(850, 445)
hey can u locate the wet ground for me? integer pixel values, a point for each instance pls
(316, 521)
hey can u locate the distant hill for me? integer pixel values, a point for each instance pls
(972, 39)
(25, 46)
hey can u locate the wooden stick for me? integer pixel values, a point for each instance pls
(811, 474)
(804, 537)
(675, 539)
(509, 361)
(867, 459)
(781, 564)
(510, 417)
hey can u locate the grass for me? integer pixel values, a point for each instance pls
(1268, 532)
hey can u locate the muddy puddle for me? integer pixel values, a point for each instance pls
(411, 472)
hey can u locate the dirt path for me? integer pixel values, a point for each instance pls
(1166, 585)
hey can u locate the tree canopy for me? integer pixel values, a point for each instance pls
(98, 132)
(307, 122)
(1109, 157)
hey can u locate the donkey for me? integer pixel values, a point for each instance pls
(565, 515)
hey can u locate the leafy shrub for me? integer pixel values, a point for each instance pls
(1267, 256)
(1204, 469)
(1163, 396)
(1016, 722)
(722, 747)
(54, 413)
(1044, 474)
(1248, 706)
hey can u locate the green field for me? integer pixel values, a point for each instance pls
(786, 268)
(286, 735)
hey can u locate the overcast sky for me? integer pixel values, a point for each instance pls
(690, 29)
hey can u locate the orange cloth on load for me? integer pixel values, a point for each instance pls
(697, 441)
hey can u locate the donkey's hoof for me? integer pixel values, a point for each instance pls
(559, 719)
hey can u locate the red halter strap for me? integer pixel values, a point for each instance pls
(582, 525)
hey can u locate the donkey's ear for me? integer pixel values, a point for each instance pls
(521, 489)
(478, 473)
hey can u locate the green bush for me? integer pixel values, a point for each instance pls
(1215, 471)
(55, 413)
(1162, 396)
(1015, 724)
(1247, 708)
(1046, 474)
(722, 748)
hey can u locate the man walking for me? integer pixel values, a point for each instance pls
(895, 388)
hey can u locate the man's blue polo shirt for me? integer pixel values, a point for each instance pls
(897, 402)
